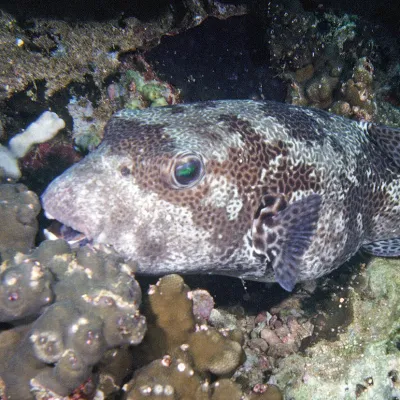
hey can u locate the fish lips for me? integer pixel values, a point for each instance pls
(60, 202)
(75, 233)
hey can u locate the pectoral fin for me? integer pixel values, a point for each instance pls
(384, 248)
(283, 233)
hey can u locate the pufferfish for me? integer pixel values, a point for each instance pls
(259, 190)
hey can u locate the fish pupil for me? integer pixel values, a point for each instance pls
(188, 172)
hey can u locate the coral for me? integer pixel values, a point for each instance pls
(92, 303)
(74, 317)
(193, 354)
(171, 327)
(46, 161)
(341, 107)
(223, 319)
(39, 131)
(168, 327)
(167, 378)
(304, 55)
(25, 290)
(214, 352)
(18, 210)
(176, 379)
(333, 62)
(144, 92)
(114, 368)
(387, 113)
(388, 96)
(363, 360)
(304, 74)
(358, 91)
(41, 159)
(319, 91)
(284, 335)
(8, 164)
(87, 127)
(140, 87)
(225, 389)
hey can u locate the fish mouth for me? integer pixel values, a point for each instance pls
(56, 230)
(68, 220)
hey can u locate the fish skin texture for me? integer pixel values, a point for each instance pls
(259, 190)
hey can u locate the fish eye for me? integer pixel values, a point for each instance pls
(188, 170)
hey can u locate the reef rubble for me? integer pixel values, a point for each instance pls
(363, 362)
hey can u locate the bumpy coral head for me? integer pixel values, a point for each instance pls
(166, 187)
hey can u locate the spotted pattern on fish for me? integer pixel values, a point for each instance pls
(260, 190)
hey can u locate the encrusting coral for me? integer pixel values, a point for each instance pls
(19, 208)
(173, 331)
(332, 61)
(196, 359)
(74, 315)
(88, 304)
